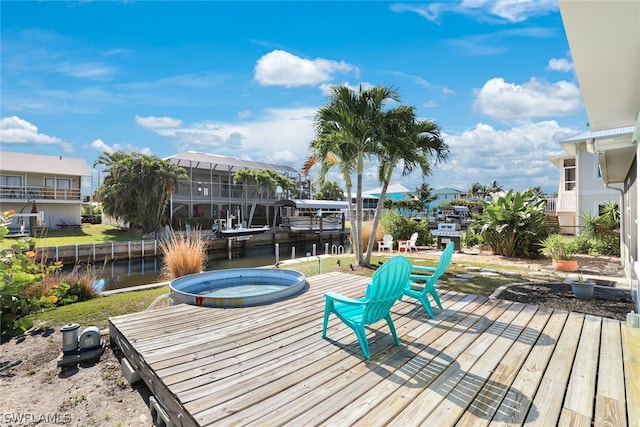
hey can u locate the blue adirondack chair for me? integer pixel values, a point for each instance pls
(429, 279)
(386, 287)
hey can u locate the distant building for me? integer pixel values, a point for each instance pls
(581, 189)
(445, 194)
(50, 185)
(211, 192)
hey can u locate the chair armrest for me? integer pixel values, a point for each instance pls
(423, 268)
(341, 298)
(421, 277)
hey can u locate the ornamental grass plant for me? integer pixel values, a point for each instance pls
(183, 253)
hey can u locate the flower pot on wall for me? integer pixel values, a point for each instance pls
(565, 264)
(583, 290)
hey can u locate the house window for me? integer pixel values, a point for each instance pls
(58, 183)
(10, 181)
(569, 174)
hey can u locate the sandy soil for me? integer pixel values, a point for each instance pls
(35, 391)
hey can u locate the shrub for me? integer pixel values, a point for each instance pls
(21, 280)
(513, 225)
(183, 253)
(401, 228)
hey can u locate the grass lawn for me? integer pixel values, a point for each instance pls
(97, 311)
(88, 233)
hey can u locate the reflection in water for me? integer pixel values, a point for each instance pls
(128, 273)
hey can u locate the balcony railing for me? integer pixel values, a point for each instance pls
(36, 193)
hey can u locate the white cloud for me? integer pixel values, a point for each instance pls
(560, 64)
(280, 68)
(516, 157)
(482, 10)
(158, 122)
(244, 114)
(533, 99)
(86, 70)
(279, 136)
(448, 91)
(14, 130)
(100, 146)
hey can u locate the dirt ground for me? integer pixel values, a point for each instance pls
(35, 391)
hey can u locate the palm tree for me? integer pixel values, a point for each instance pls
(345, 135)
(403, 139)
(138, 187)
(424, 193)
(476, 190)
(495, 187)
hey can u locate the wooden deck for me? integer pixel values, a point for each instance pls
(478, 362)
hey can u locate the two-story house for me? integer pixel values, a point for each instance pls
(581, 189)
(212, 192)
(604, 38)
(49, 185)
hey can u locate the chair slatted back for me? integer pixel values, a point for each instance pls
(445, 260)
(386, 288)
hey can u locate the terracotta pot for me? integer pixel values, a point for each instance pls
(565, 264)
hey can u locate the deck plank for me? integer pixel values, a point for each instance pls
(610, 398)
(548, 400)
(578, 403)
(483, 407)
(516, 405)
(479, 361)
(631, 361)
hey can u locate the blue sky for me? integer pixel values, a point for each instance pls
(244, 79)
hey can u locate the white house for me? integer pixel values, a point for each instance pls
(49, 185)
(604, 39)
(581, 189)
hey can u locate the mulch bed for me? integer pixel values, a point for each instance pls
(606, 302)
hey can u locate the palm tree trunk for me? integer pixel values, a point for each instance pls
(376, 221)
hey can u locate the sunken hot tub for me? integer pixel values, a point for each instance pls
(236, 287)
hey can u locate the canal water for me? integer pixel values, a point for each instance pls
(127, 273)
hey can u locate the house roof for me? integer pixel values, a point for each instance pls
(447, 190)
(604, 39)
(605, 133)
(215, 162)
(11, 161)
(392, 189)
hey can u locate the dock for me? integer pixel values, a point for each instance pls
(479, 361)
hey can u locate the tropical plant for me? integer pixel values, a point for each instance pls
(329, 190)
(345, 134)
(401, 228)
(261, 180)
(404, 140)
(603, 230)
(137, 188)
(20, 277)
(558, 247)
(425, 195)
(513, 225)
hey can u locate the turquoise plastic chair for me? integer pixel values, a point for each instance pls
(386, 287)
(429, 279)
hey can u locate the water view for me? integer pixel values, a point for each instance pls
(127, 273)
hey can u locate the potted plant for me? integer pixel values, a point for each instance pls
(561, 251)
(582, 289)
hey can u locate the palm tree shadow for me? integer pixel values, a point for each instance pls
(419, 366)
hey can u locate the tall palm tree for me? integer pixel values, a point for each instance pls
(495, 187)
(345, 135)
(475, 190)
(424, 193)
(403, 139)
